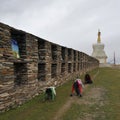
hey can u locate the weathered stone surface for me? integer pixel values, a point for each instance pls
(41, 64)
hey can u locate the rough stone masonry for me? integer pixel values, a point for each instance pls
(28, 64)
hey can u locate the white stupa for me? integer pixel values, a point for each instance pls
(98, 50)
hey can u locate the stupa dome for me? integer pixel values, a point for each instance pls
(98, 50)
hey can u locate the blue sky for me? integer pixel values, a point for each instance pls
(70, 23)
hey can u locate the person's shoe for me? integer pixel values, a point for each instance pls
(80, 95)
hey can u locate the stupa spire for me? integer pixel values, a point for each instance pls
(98, 50)
(99, 39)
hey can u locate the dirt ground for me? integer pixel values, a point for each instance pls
(94, 96)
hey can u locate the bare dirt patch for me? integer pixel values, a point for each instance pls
(94, 96)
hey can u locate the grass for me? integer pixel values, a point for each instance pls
(109, 80)
(36, 109)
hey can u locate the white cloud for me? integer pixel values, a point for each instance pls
(71, 23)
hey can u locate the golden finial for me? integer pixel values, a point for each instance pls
(99, 39)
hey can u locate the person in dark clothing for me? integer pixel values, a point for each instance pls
(88, 79)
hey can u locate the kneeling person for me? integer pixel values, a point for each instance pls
(77, 87)
(50, 93)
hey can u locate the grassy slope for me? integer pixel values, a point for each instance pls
(109, 80)
(36, 109)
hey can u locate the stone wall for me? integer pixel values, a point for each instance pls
(40, 64)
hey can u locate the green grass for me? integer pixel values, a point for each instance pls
(36, 109)
(108, 79)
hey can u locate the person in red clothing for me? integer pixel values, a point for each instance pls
(77, 87)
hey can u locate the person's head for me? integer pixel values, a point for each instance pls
(79, 81)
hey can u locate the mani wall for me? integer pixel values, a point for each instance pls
(28, 64)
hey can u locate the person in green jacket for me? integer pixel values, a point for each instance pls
(50, 93)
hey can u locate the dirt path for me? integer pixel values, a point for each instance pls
(63, 109)
(92, 97)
